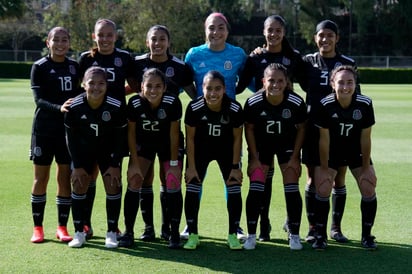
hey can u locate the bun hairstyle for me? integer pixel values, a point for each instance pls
(214, 74)
(327, 24)
(218, 15)
(154, 72)
(341, 68)
(94, 70)
(55, 30)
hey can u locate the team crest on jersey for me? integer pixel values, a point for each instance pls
(37, 151)
(286, 61)
(286, 114)
(72, 69)
(338, 64)
(161, 114)
(357, 114)
(118, 62)
(170, 72)
(228, 65)
(106, 116)
(224, 120)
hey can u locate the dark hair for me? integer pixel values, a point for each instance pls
(154, 72)
(161, 28)
(287, 48)
(214, 74)
(94, 70)
(57, 29)
(341, 68)
(279, 67)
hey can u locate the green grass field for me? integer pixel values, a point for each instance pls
(391, 152)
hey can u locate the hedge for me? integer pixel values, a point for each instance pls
(21, 70)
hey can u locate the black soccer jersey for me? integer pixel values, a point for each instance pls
(214, 130)
(153, 125)
(178, 74)
(275, 126)
(91, 132)
(316, 83)
(118, 65)
(345, 125)
(256, 64)
(52, 84)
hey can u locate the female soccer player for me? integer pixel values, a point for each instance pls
(274, 125)
(213, 119)
(316, 84)
(54, 80)
(216, 54)
(276, 50)
(345, 119)
(95, 131)
(119, 67)
(154, 125)
(178, 77)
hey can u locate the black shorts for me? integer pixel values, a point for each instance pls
(44, 148)
(266, 156)
(352, 161)
(310, 149)
(163, 152)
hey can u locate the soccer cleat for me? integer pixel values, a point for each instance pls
(174, 242)
(126, 239)
(310, 238)
(233, 242)
(241, 236)
(192, 242)
(88, 230)
(265, 230)
(79, 239)
(369, 242)
(148, 235)
(294, 242)
(111, 240)
(38, 235)
(250, 242)
(338, 236)
(184, 235)
(62, 234)
(165, 233)
(320, 243)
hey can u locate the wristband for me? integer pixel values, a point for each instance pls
(174, 162)
(236, 166)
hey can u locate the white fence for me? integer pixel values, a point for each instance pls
(362, 61)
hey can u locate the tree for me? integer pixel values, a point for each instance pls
(15, 31)
(11, 9)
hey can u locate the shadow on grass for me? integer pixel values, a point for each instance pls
(275, 257)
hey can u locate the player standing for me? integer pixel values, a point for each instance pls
(216, 54)
(316, 85)
(274, 125)
(276, 50)
(178, 77)
(54, 81)
(345, 119)
(119, 67)
(214, 125)
(96, 130)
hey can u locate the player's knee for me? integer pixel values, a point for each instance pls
(367, 187)
(324, 188)
(258, 175)
(172, 182)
